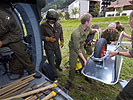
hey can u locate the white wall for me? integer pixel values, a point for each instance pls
(84, 7)
(73, 5)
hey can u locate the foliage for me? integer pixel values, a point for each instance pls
(75, 11)
(96, 9)
(102, 14)
(117, 14)
(60, 4)
(120, 9)
(60, 15)
(113, 0)
(67, 15)
(83, 90)
(49, 1)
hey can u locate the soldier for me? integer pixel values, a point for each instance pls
(119, 27)
(51, 33)
(110, 34)
(11, 36)
(127, 92)
(76, 46)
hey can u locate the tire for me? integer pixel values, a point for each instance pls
(100, 47)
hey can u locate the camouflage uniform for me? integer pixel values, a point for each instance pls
(10, 35)
(120, 28)
(76, 46)
(110, 37)
(127, 92)
(52, 49)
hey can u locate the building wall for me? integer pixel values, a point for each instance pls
(82, 5)
(73, 5)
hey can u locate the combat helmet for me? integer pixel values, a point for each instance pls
(52, 14)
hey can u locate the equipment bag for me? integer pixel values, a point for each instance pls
(48, 71)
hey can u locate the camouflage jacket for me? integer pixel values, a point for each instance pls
(9, 29)
(110, 37)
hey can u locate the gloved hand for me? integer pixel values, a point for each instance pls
(50, 39)
(62, 43)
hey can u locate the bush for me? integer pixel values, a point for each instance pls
(124, 14)
(117, 14)
(67, 15)
(109, 15)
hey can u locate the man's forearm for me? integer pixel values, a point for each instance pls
(127, 35)
(126, 54)
(82, 56)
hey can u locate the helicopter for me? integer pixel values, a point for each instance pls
(27, 14)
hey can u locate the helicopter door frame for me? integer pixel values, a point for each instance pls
(32, 28)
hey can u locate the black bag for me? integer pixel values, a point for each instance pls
(48, 71)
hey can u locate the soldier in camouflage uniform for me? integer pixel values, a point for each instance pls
(11, 36)
(127, 92)
(76, 46)
(119, 27)
(110, 34)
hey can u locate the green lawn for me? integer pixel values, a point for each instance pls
(83, 90)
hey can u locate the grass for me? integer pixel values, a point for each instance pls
(83, 90)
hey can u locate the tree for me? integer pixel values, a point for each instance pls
(60, 15)
(113, 0)
(75, 11)
(119, 10)
(96, 9)
(67, 15)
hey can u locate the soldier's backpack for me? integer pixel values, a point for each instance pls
(48, 71)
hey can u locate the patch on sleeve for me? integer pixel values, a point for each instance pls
(7, 17)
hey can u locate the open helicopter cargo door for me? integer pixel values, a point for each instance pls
(100, 66)
(27, 17)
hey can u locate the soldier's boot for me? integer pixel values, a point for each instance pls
(37, 74)
(14, 76)
(68, 85)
